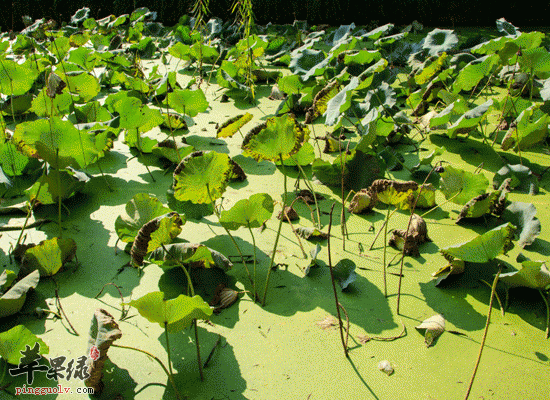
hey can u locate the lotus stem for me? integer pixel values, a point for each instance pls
(198, 349)
(229, 233)
(547, 313)
(255, 260)
(278, 235)
(493, 290)
(168, 347)
(338, 305)
(310, 187)
(170, 377)
(385, 246)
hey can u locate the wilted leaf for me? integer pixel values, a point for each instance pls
(160, 230)
(362, 202)
(328, 322)
(487, 203)
(521, 178)
(454, 267)
(311, 233)
(232, 125)
(432, 328)
(103, 332)
(417, 235)
(141, 209)
(403, 195)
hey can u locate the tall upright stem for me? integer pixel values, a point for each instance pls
(344, 345)
(254, 245)
(168, 347)
(278, 234)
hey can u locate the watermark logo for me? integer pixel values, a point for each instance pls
(58, 369)
(94, 353)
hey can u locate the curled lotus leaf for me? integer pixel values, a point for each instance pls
(409, 242)
(189, 254)
(432, 328)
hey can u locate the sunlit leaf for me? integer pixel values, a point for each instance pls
(49, 255)
(13, 299)
(17, 339)
(251, 212)
(460, 186)
(176, 314)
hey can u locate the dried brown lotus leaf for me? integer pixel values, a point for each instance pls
(418, 234)
(290, 213)
(363, 202)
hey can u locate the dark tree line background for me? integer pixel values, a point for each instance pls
(437, 13)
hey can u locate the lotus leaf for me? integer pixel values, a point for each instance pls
(484, 247)
(461, 186)
(141, 209)
(251, 212)
(57, 142)
(232, 125)
(344, 273)
(202, 177)
(49, 255)
(13, 300)
(440, 40)
(522, 215)
(281, 138)
(18, 339)
(176, 314)
(194, 255)
(432, 328)
(188, 102)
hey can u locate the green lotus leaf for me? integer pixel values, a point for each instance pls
(57, 184)
(474, 72)
(18, 339)
(469, 120)
(16, 79)
(251, 212)
(84, 57)
(362, 57)
(533, 274)
(171, 151)
(191, 254)
(85, 85)
(208, 54)
(360, 170)
(291, 84)
(12, 162)
(531, 128)
(91, 112)
(522, 215)
(188, 102)
(304, 156)
(463, 185)
(80, 15)
(305, 60)
(13, 300)
(141, 209)
(280, 138)
(180, 50)
(484, 247)
(176, 314)
(388, 40)
(190, 209)
(377, 32)
(16, 105)
(136, 115)
(521, 178)
(56, 141)
(7, 277)
(44, 106)
(344, 273)
(49, 255)
(440, 40)
(174, 121)
(427, 159)
(382, 97)
(202, 177)
(232, 125)
(340, 102)
(535, 60)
